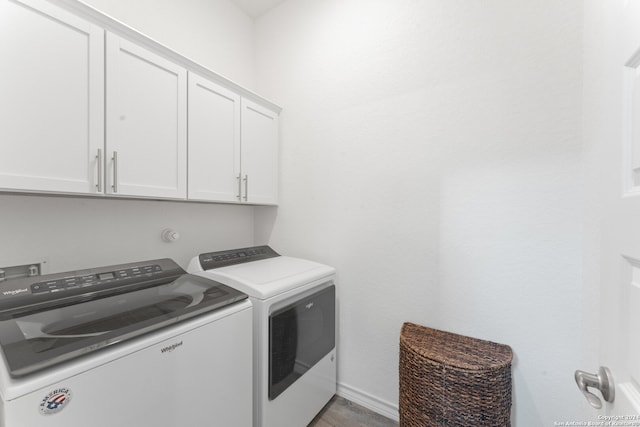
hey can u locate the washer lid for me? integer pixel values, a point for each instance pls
(269, 277)
(66, 315)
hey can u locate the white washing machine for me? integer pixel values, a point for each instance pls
(294, 335)
(140, 344)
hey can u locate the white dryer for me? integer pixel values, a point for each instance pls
(294, 339)
(140, 344)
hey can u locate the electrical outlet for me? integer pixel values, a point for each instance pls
(24, 270)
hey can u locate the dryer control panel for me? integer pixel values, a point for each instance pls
(219, 259)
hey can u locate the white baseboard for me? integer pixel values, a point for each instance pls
(369, 401)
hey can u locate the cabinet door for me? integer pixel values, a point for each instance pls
(52, 98)
(146, 122)
(259, 154)
(214, 142)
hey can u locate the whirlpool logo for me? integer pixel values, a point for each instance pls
(15, 291)
(170, 348)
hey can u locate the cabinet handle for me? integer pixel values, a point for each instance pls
(246, 188)
(239, 187)
(99, 161)
(114, 185)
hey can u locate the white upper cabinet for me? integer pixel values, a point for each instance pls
(52, 98)
(233, 146)
(259, 154)
(146, 122)
(214, 141)
(94, 112)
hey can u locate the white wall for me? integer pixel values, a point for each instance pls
(431, 151)
(75, 233)
(215, 33)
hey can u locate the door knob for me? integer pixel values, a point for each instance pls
(603, 381)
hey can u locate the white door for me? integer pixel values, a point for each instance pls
(259, 154)
(214, 142)
(615, 77)
(146, 122)
(51, 99)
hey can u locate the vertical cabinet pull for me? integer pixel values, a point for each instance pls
(99, 161)
(246, 188)
(239, 178)
(114, 185)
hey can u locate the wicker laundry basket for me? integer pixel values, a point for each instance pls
(450, 380)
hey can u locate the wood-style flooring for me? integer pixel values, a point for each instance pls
(341, 412)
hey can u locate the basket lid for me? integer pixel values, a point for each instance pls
(455, 350)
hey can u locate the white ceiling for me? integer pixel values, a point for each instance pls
(255, 8)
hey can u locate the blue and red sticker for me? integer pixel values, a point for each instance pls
(55, 401)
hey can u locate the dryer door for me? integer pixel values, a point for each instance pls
(300, 334)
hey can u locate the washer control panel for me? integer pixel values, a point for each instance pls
(29, 294)
(84, 281)
(219, 259)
